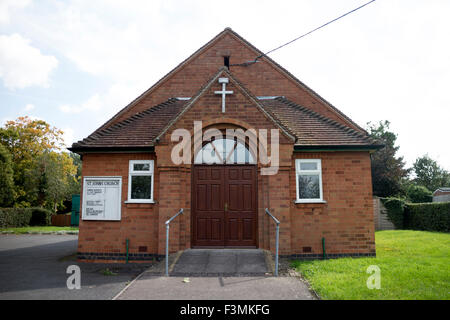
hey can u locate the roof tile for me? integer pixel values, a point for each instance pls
(313, 129)
(137, 131)
(306, 127)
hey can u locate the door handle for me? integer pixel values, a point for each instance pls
(226, 206)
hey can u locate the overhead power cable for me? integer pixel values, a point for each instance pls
(303, 35)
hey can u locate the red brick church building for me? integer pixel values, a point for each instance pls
(301, 158)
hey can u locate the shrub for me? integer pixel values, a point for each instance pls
(22, 217)
(395, 211)
(6, 178)
(14, 217)
(40, 217)
(428, 216)
(419, 194)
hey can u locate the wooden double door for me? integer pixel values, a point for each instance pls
(224, 203)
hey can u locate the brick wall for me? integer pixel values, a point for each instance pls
(139, 222)
(346, 219)
(240, 113)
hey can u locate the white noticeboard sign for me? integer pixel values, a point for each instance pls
(102, 198)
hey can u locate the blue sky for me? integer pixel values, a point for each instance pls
(76, 63)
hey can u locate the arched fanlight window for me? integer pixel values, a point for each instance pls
(224, 151)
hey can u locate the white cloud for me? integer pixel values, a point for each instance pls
(387, 61)
(92, 104)
(113, 40)
(101, 45)
(7, 5)
(22, 65)
(29, 107)
(3, 121)
(33, 118)
(68, 136)
(106, 104)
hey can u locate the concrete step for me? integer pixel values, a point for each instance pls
(221, 262)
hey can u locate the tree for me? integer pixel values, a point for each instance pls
(388, 171)
(6, 178)
(75, 183)
(430, 174)
(60, 173)
(42, 173)
(51, 179)
(26, 138)
(418, 194)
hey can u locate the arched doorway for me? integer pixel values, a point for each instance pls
(224, 195)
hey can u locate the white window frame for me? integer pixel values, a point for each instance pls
(298, 172)
(132, 172)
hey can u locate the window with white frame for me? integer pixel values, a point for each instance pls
(140, 181)
(309, 180)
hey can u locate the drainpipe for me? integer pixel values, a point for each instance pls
(127, 242)
(323, 249)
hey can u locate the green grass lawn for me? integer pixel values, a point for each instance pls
(23, 230)
(413, 264)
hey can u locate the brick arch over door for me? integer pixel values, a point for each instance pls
(225, 123)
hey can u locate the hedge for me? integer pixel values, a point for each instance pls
(395, 209)
(428, 216)
(419, 194)
(22, 217)
(433, 216)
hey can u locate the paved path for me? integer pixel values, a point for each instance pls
(216, 274)
(221, 262)
(150, 287)
(34, 267)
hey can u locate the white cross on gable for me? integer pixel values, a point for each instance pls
(224, 92)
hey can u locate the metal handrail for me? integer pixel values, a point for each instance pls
(167, 239)
(277, 240)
